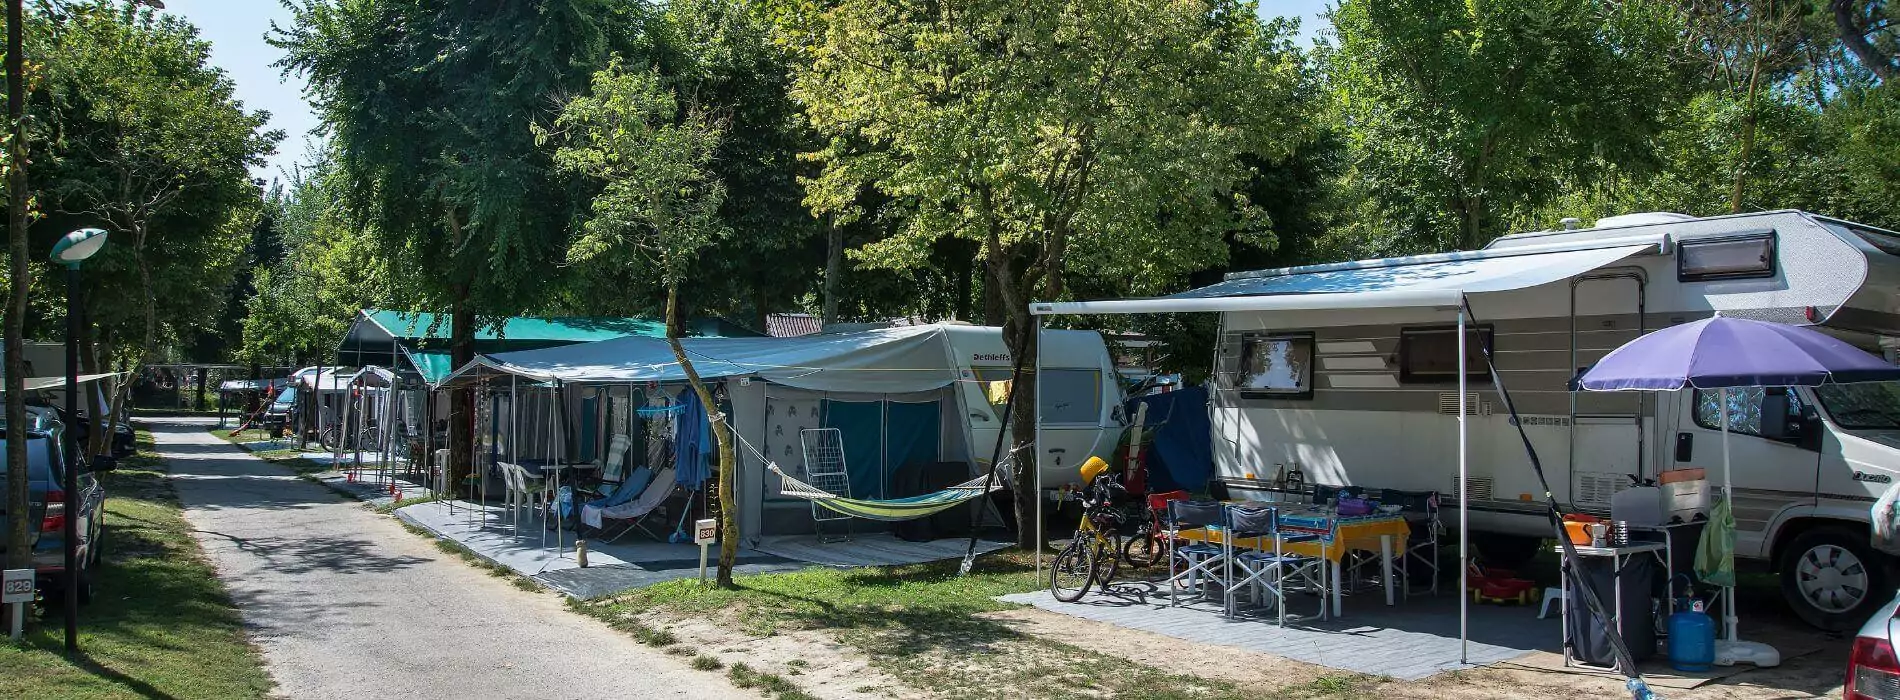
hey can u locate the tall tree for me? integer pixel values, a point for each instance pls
(19, 283)
(1104, 133)
(1461, 114)
(658, 208)
(147, 140)
(429, 106)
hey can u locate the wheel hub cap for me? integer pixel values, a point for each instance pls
(1831, 578)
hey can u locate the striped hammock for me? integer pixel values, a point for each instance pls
(891, 510)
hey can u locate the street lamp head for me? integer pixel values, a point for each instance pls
(79, 245)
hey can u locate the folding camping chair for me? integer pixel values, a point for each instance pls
(1262, 570)
(1420, 510)
(634, 511)
(1192, 566)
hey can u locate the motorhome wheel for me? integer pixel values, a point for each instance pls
(1832, 578)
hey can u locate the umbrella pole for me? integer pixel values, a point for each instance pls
(1729, 621)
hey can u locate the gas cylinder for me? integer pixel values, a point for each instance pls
(1691, 638)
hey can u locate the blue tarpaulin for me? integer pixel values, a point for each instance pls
(1180, 454)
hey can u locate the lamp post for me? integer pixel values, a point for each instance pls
(70, 251)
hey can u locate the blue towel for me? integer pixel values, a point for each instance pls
(693, 442)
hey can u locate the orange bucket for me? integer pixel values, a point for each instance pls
(1578, 528)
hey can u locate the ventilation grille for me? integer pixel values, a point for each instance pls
(1479, 487)
(1596, 488)
(1474, 406)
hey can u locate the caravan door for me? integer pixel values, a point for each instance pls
(1771, 476)
(1074, 416)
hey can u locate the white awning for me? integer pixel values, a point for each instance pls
(1422, 281)
(38, 383)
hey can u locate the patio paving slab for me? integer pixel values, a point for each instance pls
(1415, 639)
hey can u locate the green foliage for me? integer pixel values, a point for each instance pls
(141, 136)
(1110, 131)
(329, 269)
(1461, 114)
(659, 203)
(430, 107)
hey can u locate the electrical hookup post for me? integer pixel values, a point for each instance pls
(705, 532)
(16, 590)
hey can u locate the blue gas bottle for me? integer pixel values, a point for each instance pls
(1691, 638)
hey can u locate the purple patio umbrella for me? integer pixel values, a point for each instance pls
(1719, 353)
(1724, 352)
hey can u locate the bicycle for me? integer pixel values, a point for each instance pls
(1091, 558)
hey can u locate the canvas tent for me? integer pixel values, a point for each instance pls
(421, 340)
(891, 392)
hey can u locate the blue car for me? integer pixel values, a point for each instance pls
(49, 505)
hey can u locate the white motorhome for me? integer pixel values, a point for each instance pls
(1366, 395)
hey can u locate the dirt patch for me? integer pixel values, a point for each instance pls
(1248, 669)
(813, 660)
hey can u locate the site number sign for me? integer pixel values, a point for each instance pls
(16, 586)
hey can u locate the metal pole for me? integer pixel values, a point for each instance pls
(1035, 455)
(1464, 503)
(73, 461)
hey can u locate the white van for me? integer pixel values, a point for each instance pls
(1367, 395)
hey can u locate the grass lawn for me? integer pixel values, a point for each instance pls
(922, 624)
(161, 626)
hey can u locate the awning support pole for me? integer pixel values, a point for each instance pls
(1464, 534)
(1035, 457)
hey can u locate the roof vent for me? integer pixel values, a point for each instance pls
(1641, 219)
(1571, 223)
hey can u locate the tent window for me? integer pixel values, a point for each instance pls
(1429, 355)
(1736, 257)
(1275, 365)
(1070, 396)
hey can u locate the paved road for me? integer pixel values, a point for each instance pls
(345, 603)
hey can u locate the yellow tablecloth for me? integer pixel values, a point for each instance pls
(1360, 534)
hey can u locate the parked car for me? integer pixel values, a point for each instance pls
(1873, 671)
(277, 416)
(124, 438)
(49, 505)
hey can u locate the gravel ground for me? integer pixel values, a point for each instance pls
(344, 602)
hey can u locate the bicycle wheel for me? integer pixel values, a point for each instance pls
(1073, 569)
(1143, 550)
(1106, 563)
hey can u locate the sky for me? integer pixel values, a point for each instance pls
(236, 30)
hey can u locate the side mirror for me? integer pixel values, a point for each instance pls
(104, 463)
(1774, 414)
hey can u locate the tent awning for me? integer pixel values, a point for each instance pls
(39, 383)
(889, 360)
(434, 366)
(1422, 281)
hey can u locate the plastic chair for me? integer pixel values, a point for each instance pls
(1263, 570)
(1191, 566)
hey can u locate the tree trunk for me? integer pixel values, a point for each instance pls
(19, 284)
(99, 442)
(1015, 317)
(722, 433)
(834, 271)
(1748, 141)
(1855, 38)
(965, 274)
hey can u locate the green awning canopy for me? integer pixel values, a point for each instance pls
(382, 337)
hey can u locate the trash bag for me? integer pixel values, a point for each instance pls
(1715, 554)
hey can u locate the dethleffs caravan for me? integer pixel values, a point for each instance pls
(1356, 382)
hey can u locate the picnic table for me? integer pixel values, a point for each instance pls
(1384, 533)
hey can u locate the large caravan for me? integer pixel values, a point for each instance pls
(1367, 396)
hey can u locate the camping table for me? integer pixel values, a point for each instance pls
(1384, 533)
(1619, 556)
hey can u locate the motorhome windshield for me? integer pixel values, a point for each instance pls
(288, 395)
(1864, 406)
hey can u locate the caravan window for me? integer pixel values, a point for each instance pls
(1070, 396)
(1744, 409)
(1429, 355)
(1276, 365)
(1735, 257)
